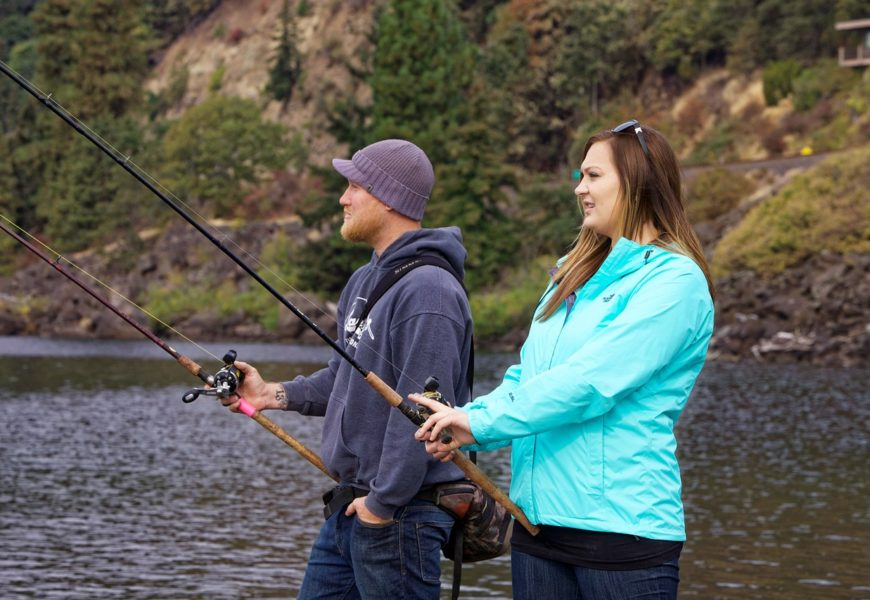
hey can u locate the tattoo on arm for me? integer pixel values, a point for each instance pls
(281, 397)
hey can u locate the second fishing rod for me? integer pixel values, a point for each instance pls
(390, 395)
(223, 382)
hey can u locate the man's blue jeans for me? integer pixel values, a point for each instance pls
(542, 579)
(401, 559)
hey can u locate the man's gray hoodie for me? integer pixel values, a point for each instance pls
(421, 327)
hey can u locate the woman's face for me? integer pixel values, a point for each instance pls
(598, 190)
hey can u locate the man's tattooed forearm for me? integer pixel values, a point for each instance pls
(281, 397)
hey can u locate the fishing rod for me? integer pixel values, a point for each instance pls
(223, 383)
(471, 470)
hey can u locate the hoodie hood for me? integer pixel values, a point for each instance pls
(445, 241)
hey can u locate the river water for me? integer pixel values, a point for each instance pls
(111, 487)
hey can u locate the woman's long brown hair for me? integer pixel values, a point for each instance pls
(650, 192)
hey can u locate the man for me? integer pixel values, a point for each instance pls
(383, 534)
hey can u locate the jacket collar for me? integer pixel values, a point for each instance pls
(626, 257)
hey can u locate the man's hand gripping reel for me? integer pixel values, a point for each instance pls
(224, 383)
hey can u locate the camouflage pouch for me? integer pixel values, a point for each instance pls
(482, 524)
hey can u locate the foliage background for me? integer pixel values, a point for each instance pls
(500, 93)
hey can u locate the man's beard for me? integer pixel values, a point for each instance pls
(362, 227)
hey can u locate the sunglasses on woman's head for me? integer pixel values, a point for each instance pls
(633, 124)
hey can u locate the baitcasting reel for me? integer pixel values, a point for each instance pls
(225, 382)
(419, 416)
(430, 390)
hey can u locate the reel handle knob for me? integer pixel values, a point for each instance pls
(190, 396)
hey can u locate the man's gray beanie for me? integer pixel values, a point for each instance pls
(396, 172)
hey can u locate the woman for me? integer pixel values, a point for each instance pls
(613, 351)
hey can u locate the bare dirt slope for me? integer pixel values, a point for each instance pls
(240, 37)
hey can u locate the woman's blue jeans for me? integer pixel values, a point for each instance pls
(401, 559)
(542, 579)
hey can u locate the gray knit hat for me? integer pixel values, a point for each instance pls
(396, 172)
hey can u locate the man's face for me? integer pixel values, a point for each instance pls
(364, 215)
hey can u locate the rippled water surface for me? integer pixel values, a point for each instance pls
(111, 487)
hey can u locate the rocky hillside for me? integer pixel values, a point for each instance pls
(813, 310)
(816, 312)
(37, 300)
(234, 39)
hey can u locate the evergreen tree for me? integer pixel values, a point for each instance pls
(678, 30)
(590, 57)
(743, 51)
(424, 89)
(286, 67)
(506, 69)
(423, 66)
(469, 191)
(92, 57)
(32, 151)
(22, 60)
(112, 59)
(56, 24)
(23, 163)
(553, 64)
(86, 198)
(802, 30)
(14, 29)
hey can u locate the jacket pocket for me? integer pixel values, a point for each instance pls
(594, 438)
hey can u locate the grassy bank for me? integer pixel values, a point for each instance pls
(825, 209)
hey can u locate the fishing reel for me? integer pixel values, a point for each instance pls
(430, 390)
(224, 383)
(419, 416)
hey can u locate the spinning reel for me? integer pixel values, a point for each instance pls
(224, 383)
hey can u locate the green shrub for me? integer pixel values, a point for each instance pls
(714, 192)
(218, 150)
(822, 81)
(509, 307)
(216, 80)
(827, 208)
(778, 78)
(178, 298)
(715, 148)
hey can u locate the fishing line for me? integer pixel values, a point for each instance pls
(58, 257)
(222, 384)
(47, 98)
(175, 203)
(471, 470)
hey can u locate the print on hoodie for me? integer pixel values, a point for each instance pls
(352, 326)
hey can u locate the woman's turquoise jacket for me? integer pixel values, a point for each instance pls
(591, 408)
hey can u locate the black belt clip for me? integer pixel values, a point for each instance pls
(339, 497)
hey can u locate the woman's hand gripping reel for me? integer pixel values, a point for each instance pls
(430, 390)
(224, 383)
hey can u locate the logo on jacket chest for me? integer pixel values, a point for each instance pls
(354, 329)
